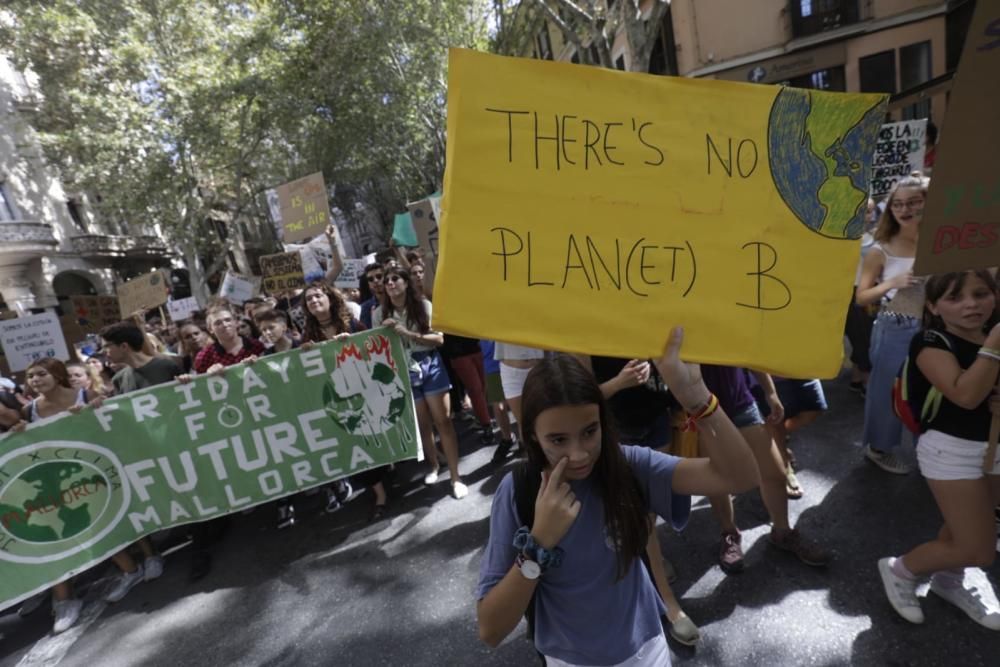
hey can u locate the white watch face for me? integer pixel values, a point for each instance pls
(530, 569)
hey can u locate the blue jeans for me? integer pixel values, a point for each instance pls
(890, 346)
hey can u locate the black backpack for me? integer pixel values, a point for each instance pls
(527, 480)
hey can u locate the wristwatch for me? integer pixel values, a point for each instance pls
(530, 551)
(529, 569)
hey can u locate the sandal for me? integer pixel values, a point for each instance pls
(378, 513)
(792, 487)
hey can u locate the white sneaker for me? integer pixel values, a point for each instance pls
(459, 490)
(888, 461)
(152, 568)
(902, 593)
(431, 477)
(980, 605)
(67, 613)
(126, 582)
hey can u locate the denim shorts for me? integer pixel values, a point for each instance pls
(432, 379)
(748, 416)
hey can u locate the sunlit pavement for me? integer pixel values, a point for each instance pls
(336, 590)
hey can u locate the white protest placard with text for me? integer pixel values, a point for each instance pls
(181, 309)
(898, 152)
(26, 339)
(237, 288)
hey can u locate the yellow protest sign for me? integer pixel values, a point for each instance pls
(591, 210)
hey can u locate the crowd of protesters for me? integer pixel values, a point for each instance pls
(596, 433)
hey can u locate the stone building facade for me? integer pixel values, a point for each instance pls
(51, 245)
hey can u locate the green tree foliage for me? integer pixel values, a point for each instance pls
(181, 113)
(590, 25)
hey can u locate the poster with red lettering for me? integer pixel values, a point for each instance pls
(961, 224)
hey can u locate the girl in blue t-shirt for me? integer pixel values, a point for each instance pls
(955, 361)
(577, 562)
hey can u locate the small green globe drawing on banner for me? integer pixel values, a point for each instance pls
(821, 172)
(64, 499)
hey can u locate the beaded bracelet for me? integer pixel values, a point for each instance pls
(691, 423)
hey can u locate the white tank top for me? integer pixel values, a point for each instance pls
(894, 266)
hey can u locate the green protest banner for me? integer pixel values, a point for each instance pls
(76, 489)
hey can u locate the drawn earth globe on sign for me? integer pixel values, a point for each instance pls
(365, 396)
(821, 172)
(64, 499)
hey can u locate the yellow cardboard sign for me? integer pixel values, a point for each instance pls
(590, 210)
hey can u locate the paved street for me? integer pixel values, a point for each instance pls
(335, 590)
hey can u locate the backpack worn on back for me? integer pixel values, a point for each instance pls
(527, 480)
(915, 406)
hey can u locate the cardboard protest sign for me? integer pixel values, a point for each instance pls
(77, 489)
(142, 293)
(237, 288)
(961, 222)
(402, 231)
(312, 269)
(574, 223)
(93, 313)
(182, 309)
(898, 152)
(32, 337)
(73, 333)
(305, 210)
(426, 228)
(351, 275)
(282, 272)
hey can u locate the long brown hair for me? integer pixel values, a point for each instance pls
(339, 315)
(415, 311)
(562, 380)
(943, 284)
(888, 226)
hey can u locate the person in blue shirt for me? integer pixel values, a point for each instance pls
(578, 562)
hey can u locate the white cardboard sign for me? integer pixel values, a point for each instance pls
(26, 339)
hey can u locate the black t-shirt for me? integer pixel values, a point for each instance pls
(635, 409)
(951, 419)
(459, 346)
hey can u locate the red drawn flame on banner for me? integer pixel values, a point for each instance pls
(379, 346)
(349, 351)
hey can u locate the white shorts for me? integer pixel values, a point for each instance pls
(945, 457)
(654, 653)
(512, 380)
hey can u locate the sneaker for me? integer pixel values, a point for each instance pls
(343, 489)
(684, 630)
(807, 551)
(902, 593)
(333, 503)
(731, 553)
(888, 461)
(459, 490)
(152, 568)
(67, 614)
(31, 605)
(126, 582)
(286, 515)
(487, 437)
(431, 477)
(502, 451)
(971, 600)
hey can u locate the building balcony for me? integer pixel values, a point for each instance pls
(107, 245)
(22, 240)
